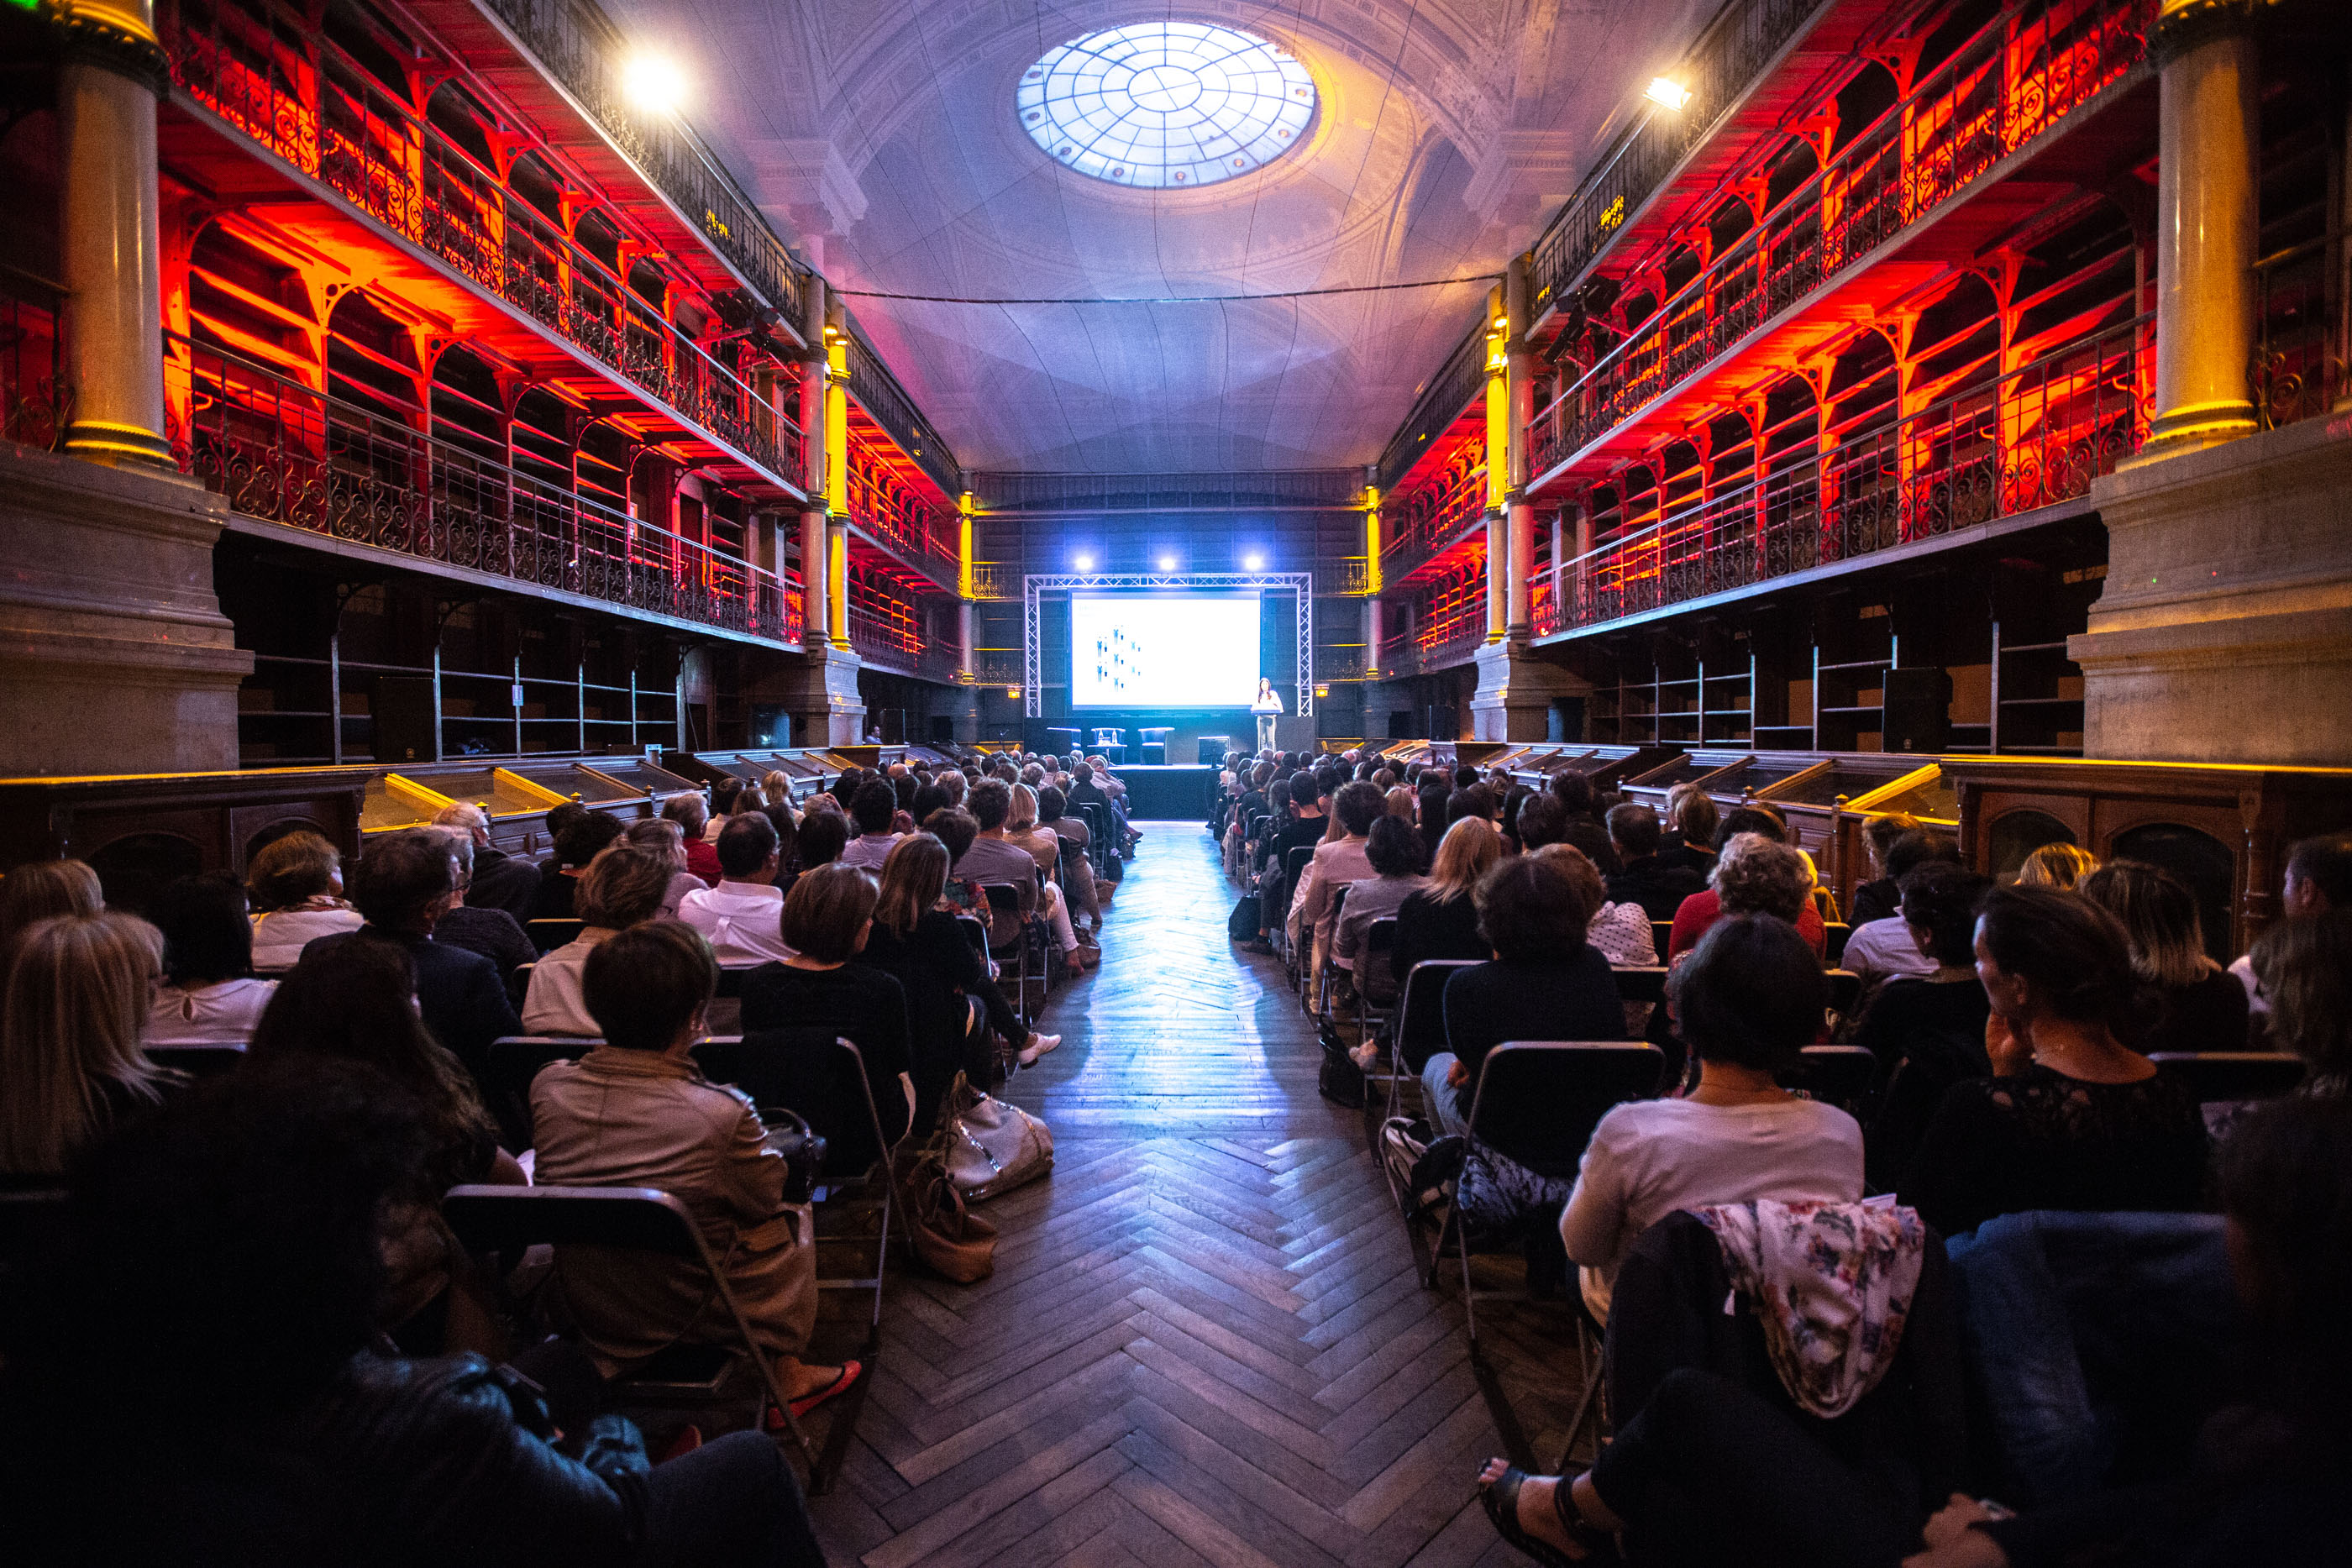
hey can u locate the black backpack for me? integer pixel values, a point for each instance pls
(1340, 1081)
(1241, 925)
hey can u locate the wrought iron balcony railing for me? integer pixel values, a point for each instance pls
(2005, 86)
(1344, 576)
(1460, 379)
(1425, 520)
(1433, 645)
(2030, 439)
(895, 645)
(994, 581)
(878, 391)
(268, 75)
(285, 454)
(2300, 369)
(892, 513)
(580, 55)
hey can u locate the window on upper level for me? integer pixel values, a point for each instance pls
(1166, 104)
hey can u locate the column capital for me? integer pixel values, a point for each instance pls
(118, 35)
(2182, 25)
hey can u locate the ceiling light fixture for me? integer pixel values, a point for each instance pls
(1167, 563)
(1084, 563)
(654, 83)
(1668, 91)
(1252, 562)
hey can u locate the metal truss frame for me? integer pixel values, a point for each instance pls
(1300, 585)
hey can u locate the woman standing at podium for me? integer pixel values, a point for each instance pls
(1267, 706)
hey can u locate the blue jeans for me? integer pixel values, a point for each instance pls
(1447, 1114)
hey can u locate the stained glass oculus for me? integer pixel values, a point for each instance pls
(1166, 104)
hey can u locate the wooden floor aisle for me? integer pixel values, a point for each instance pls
(1205, 1341)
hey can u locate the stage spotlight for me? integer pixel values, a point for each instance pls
(652, 82)
(1085, 564)
(1668, 92)
(1252, 562)
(1167, 563)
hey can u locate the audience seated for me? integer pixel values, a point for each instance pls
(403, 886)
(2061, 865)
(38, 889)
(1884, 945)
(1876, 897)
(70, 1064)
(1086, 895)
(1541, 820)
(222, 1274)
(578, 841)
(1932, 1026)
(692, 815)
(1337, 861)
(622, 887)
(870, 810)
(741, 917)
(1748, 1001)
(993, 859)
(2071, 1118)
(2191, 1003)
(1754, 875)
(828, 918)
(1644, 877)
(209, 995)
(666, 839)
(499, 880)
(2317, 880)
(953, 1005)
(636, 1112)
(2305, 970)
(1023, 827)
(1621, 931)
(1688, 840)
(1441, 920)
(822, 834)
(493, 933)
(296, 886)
(1392, 848)
(1546, 981)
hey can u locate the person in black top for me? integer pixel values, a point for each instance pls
(2072, 1118)
(941, 972)
(1687, 840)
(1441, 920)
(1546, 982)
(2193, 1004)
(1880, 897)
(1644, 878)
(828, 917)
(406, 882)
(491, 932)
(577, 841)
(1932, 1028)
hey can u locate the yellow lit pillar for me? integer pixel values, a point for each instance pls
(111, 242)
(967, 620)
(1374, 632)
(1519, 410)
(836, 481)
(1498, 461)
(814, 618)
(2208, 148)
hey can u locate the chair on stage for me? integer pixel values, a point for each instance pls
(1153, 746)
(1107, 742)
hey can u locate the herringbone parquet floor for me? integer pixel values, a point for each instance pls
(1206, 1341)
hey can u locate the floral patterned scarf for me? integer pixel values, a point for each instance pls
(1833, 1282)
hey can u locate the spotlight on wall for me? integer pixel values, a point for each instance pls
(1167, 563)
(1668, 91)
(1084, 563)
(1252, 562)
(654, 82)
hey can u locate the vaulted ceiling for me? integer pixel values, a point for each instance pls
(880, 136)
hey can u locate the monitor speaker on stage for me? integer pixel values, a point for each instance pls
(1214, 748)
(1919, 711)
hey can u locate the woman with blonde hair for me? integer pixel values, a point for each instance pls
(296, 883)
(622, 886)
(78, 990)
(2062, 865)
(1399, 803)
(2191, 1003)
(1441, 920)
(40, 889)
(665, 837)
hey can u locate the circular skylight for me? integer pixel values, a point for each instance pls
(1173, 104)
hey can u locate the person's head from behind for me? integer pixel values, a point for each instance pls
(1020, 816)
(1574, 790)
(662, 836)
(928, 798)
(955, 829)
(79, 988)
(748, 848)
(207, 938)
(1692, 813)
(990, 803)
(1397, 801)
(1919, 847)
(1429, 806)
(2319, 876)
(2059, 865)
(289, 870)
(828, 914)
(622, 886)
(1633, 829)
(691, 812)
(2044, 952)
(1757, 876)
(1327, 779)
(913, 876)
(1879, 833)
(1749, 994)
(2305, 970)
(1531, 911)
(583, 837)
(1939, 904)
(1394, 848)
(2286, 1195)
(873, 806)
(1357, 807)
(1583, 875)
(957, 785)
(1465, 777)
(560, 816)
(649, 987)
(2159, 920)
(1053, 805)
(1750, 818)
(467, 817)
(1542, 820)
(37, 890)
(820, 838)
(1032, 774)
(1469, 801)
(1469, 848)
(461, 850)
(406, 881)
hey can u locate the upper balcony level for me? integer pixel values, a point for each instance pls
(472, 216)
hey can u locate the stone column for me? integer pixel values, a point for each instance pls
(1499, 465)
(110, 238)
(1375, 633)
(814, 618)
(2207, 143)
(1519, 409)
(967, 633)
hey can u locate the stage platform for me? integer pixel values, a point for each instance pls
(1171, 793)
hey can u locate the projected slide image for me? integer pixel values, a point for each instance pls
(1146, 651)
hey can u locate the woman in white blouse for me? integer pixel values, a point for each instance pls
(297, 884)
(209, 996)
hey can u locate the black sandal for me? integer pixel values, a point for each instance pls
(1502, 1502)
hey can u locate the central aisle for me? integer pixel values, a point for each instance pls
(1205, 1341)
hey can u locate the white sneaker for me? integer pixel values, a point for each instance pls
(1039, 1044)
(1365, 1056)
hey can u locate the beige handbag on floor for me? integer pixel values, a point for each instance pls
(993, 1147)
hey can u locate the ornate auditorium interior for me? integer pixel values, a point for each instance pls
(1844, 410)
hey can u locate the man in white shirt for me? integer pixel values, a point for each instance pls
(870, 810)
(743, 916)
(1880, 950)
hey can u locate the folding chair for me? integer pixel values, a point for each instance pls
(1645, 983)
(1315, 985)
(1294, 867)
(1416, 1034)
(1833, 947)
(547, 936)
(1662, 936)
(510, 1220)
(198, 1062)
(1012, 934)
(1845, 989)
(514, 1061)
(2221, 1075)
(1839, 1075)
